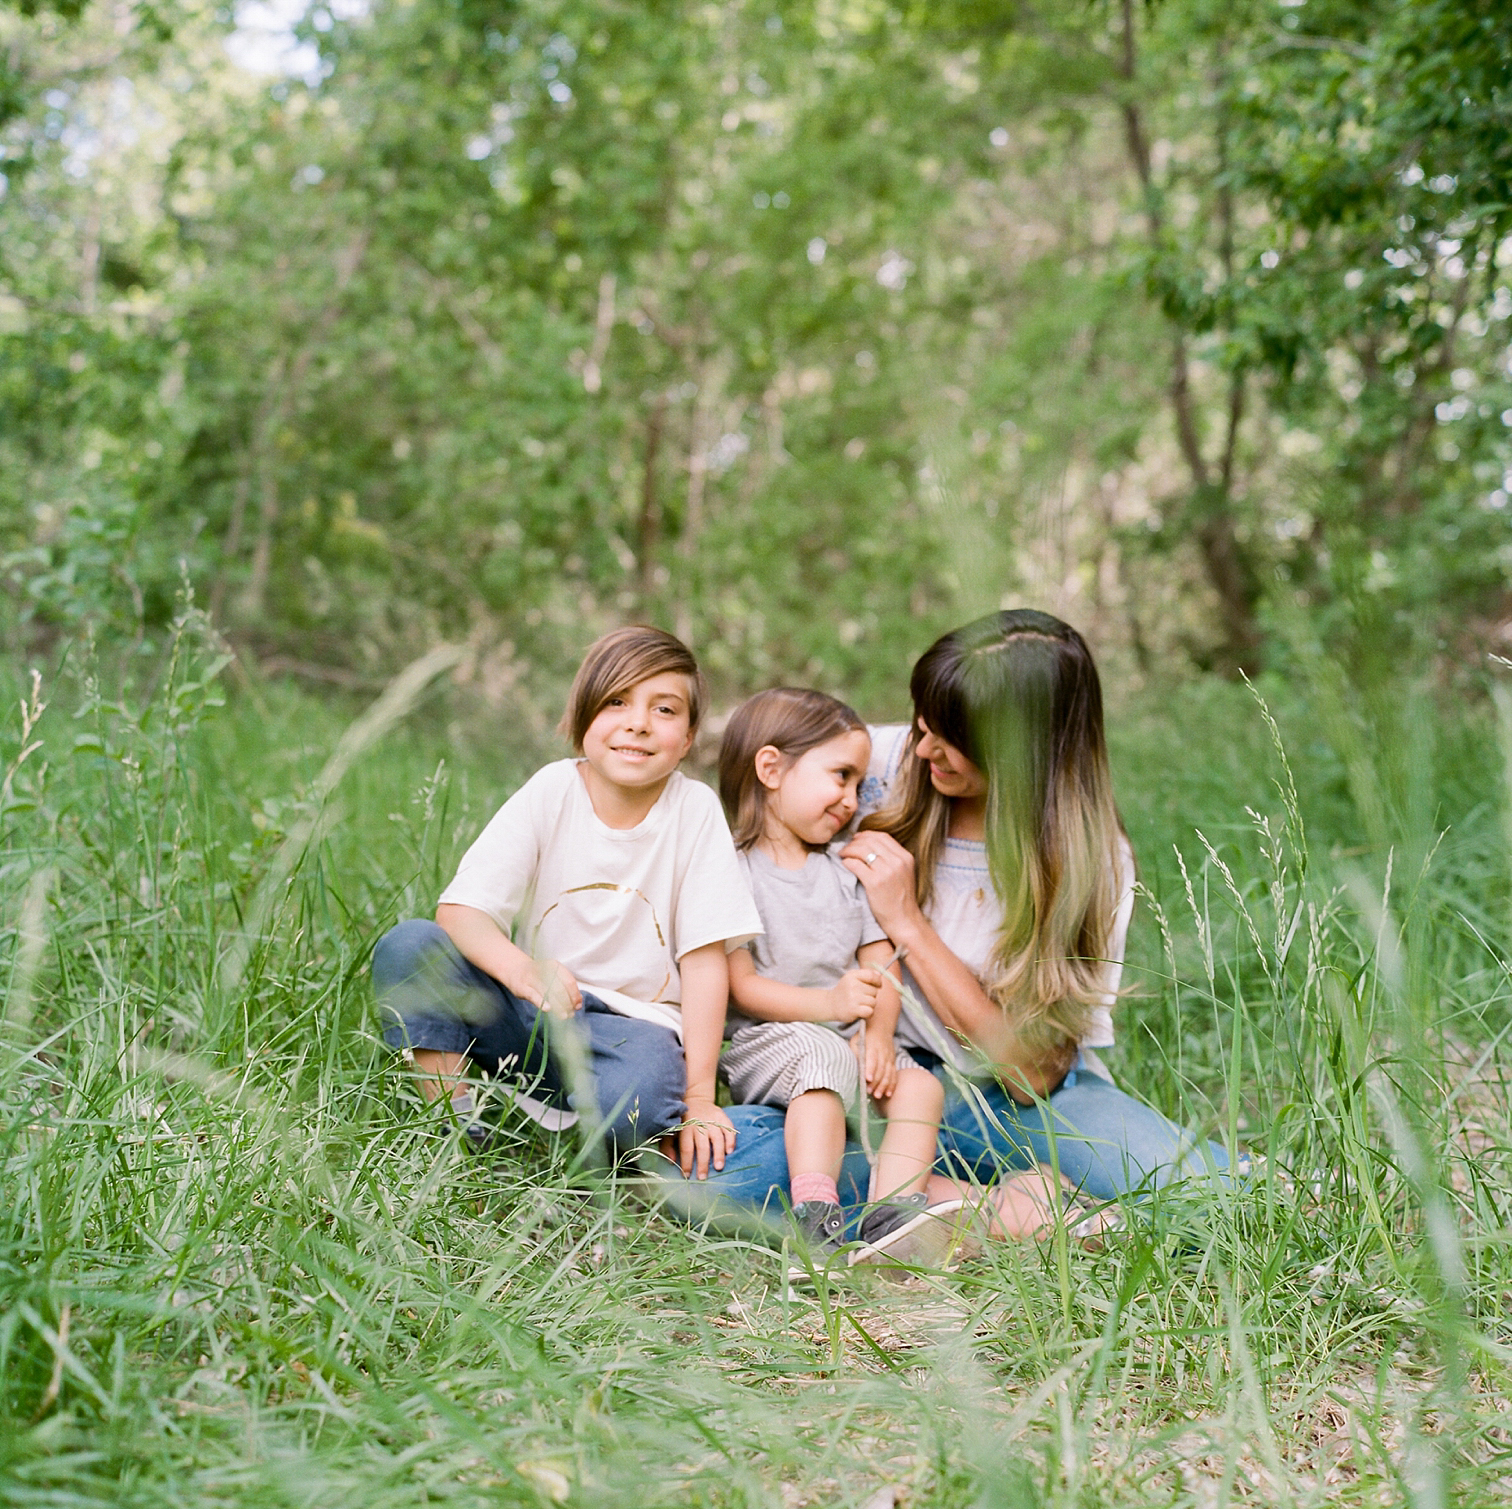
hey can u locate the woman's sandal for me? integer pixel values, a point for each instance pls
(1089, 1222)
(1085, 1221)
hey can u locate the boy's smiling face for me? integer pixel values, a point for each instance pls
(641, 735)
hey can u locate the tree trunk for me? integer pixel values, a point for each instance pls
(1225, 561)
(647, 526)
(711, 382)
(283, 396)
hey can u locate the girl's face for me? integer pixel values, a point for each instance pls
(639, 736)
(815, 796)
(950, 772)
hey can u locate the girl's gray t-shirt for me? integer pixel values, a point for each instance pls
(815, 919)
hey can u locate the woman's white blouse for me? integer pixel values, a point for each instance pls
(965, 912)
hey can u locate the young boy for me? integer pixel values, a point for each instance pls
(617, 878)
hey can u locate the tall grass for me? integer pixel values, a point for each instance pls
(241, 1263)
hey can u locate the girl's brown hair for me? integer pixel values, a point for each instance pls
(793, 720)
(623, 658)
(1018, 694)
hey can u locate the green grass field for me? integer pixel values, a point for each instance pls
(239, 1263)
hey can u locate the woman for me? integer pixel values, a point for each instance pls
(994, 855)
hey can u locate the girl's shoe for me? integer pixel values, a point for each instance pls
(907, 1231)
(821, 1231)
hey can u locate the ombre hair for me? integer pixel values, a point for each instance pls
(623, 658)
(792, 720)
(1018, 694)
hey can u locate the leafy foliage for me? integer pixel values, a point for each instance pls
(805, 330)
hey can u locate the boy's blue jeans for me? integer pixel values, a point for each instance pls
(1106, 1142)
(432, 998)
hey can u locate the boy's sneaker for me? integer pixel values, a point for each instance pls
(476, 1135)
(821, 1230)
(907, 1231)
(543, 1113)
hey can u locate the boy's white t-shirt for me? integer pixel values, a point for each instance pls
(964, 910)
(617, 906)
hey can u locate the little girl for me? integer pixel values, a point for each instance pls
(789, 767)
(599, 902)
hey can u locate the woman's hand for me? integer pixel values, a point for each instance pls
(886, 869)
(706, 1136)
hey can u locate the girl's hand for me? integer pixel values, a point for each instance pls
(706, 1136)
(550, 986)
(853, 997)
(880, 1066)
(886, 869)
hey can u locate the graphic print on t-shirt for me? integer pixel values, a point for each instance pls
(586, 911)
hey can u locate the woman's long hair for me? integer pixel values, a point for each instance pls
(1017, 693)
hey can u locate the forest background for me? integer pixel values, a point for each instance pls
(808, 330)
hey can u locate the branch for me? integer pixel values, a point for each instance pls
(647, 524)
(1134, 136)
(1231, 436)
(333, 675)
(603, 327)
(1139, 151)
(1186, 418)
(1285, 39)
(469, 324)
(347, 261)
(1226, 258)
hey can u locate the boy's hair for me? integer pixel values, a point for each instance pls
(620, 659)
(793, 720)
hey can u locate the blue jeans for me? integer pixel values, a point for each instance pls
(1103, 1140)
(1106, 1142)
(432, 998)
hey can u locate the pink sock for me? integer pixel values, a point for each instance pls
(815, 1187)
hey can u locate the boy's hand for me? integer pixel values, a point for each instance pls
(548, 985)
(879, 1066)
(706, 1136)
(853, 997)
